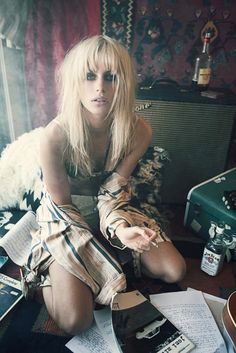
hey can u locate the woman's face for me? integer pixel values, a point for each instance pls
(98, 91)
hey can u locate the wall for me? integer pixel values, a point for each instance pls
(164, 36)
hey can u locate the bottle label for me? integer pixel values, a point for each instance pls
(211, 262)
(204, 76)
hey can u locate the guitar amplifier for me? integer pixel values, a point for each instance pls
(197, 137)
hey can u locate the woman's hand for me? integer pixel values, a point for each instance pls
(136, 238)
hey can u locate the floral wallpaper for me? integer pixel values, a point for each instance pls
(165, 36)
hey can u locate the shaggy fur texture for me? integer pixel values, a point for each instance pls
(20, 171)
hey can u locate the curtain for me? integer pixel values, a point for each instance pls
(13, 18)
(14, 118)
(53, 27)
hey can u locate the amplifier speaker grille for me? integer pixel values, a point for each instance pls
(197, 137)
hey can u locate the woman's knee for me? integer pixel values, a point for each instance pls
(73, 321)
(165, 263)
(69, 301)
(76, 323)
(168, 273)
(175, 273)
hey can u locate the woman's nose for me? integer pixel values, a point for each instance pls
(100, 86)
(100, 89)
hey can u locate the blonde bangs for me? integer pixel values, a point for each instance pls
(99, 52)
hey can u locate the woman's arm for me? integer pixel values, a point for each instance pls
(116, 223)
(52, 147)
(136, 238)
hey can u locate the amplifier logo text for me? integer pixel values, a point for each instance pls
(143, 106)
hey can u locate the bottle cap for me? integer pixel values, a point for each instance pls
(207, 37)
(220, 229)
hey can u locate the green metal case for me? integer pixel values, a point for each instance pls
(205, 205)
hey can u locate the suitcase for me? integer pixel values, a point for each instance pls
(205, 205)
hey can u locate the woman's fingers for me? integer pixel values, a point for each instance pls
(147, 234)
(138, 238)
(148, 237)
(143, 243)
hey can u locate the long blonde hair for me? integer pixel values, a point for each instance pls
(79, 60)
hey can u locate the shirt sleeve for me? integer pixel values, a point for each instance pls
(113, 200)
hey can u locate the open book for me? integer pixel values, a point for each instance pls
(10, 294)
(17, 241)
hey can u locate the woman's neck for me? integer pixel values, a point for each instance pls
(99, 129)
(98, 125)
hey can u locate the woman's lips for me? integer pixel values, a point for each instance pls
(100, 101)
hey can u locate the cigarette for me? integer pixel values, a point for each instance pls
(154, 243)
(21, 274)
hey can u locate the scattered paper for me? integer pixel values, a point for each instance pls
(104, 323)
(216, 305)
(99, 338)
(89, 341)
(189, 311)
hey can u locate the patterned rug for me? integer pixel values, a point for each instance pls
(117, 20)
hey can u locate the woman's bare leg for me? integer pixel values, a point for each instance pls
(68, 300)
(164, 262)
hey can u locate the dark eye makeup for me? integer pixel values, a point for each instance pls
(91, 76)
(108, 76)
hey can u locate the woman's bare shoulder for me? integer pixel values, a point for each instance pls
(54, 134)
(140, 142)
(53, 140)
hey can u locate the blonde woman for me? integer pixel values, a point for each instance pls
(88, 231)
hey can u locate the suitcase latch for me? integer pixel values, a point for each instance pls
(196, 208)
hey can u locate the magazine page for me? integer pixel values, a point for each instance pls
(17, 242)
(10, 294)
(140, 327)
